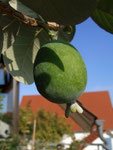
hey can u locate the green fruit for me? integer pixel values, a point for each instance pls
(59, 72)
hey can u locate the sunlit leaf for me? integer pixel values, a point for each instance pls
(10, 28)
(17, 5)
(19, 58)
(103, 15)
(66, 12)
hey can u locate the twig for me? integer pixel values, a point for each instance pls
(7, 9)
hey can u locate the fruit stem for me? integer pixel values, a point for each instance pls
(67, 111)
(53, 35)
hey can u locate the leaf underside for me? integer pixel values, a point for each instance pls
(20, 57)
(10, 28)
(17, 5)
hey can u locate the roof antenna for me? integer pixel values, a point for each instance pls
(99, 124)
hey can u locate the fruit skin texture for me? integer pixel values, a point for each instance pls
(59, 72)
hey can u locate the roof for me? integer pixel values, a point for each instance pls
(85, 120)
(90, 138)
(38, 102)
(98, 103)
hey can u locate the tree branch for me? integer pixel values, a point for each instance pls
(8, 10)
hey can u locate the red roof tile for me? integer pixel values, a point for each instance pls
(90, 138)
(38, 102)
(98, 103)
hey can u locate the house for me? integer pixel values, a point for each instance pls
(98, 103)
(5, 129)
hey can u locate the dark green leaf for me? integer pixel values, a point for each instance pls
(19, 58)
(103, 15)
(5, 1)
(62, 34)
(10, 28)
(66, 12)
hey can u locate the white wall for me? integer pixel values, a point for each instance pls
(4, 129)
(67, 140)
(79, 136)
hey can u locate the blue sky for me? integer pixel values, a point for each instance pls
(96, 47)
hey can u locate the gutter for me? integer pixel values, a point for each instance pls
(99, 124)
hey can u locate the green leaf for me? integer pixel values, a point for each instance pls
(66, 12)
(10, 28)
(20, 57)
(103, 15)
(4, 1)
(1, 40)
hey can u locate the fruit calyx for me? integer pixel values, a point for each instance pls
(73, 107)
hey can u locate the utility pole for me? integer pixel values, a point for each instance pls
(15, 105)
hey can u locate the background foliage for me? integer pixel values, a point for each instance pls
(49, 128)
